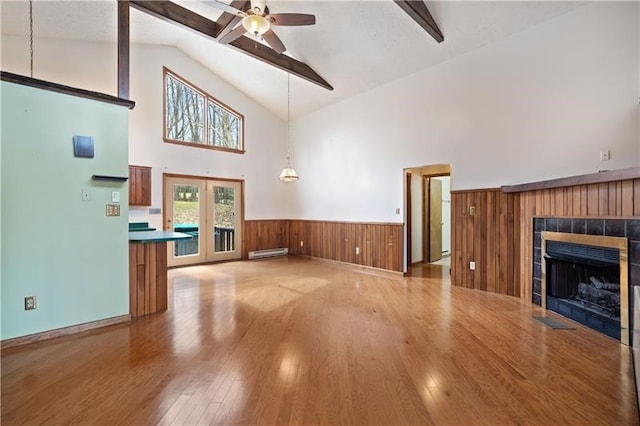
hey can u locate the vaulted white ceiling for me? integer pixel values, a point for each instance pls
(355, 45)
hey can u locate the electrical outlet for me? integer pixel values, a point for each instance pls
(301, 243)
(29, 303)
(357, 250)
(605, 155)
(472, 266)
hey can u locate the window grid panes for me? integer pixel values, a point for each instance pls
(186, 121)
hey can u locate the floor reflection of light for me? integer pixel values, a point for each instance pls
(187, 339)
(274, 296)
(431, 381)
(224, 311)
(289, 367)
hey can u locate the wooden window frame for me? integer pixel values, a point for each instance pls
(207, 100)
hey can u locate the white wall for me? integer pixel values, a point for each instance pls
(266, 197)
(417, 219)
(537, 105)
(92, 66)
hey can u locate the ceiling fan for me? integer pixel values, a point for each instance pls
(257, 20)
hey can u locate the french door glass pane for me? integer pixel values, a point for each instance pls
(224, 219)
(186, 218)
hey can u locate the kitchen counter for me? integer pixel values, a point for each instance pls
(156, 236)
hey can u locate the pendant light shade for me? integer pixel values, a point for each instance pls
(288, 174)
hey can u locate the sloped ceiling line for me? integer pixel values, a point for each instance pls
(176, 14)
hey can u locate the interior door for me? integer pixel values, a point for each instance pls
(208, 210)
(435, 219)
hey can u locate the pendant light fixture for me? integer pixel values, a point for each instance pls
(288, 173)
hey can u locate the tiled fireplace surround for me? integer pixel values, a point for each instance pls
(629, 228)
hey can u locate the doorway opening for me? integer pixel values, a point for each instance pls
(208, 209)
(428, 216)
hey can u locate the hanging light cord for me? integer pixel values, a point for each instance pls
(288, 119)
(31, 36)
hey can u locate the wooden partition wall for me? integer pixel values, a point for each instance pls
(484, 231)
(499, 236)
(379, 244)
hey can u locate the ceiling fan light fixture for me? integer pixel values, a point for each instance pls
(256, 24)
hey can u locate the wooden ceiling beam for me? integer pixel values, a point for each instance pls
(171, 12)
(418, 11)
(123, 49)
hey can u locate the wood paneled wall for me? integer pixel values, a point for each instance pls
(489, 237)
(380, 244)
(265, 234)
(499, 238)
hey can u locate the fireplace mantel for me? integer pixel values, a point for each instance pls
(601, 177)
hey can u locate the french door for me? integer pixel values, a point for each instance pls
(208, 210)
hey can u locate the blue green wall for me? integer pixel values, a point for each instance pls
(55, 246)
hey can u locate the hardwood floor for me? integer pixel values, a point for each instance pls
(301, 341)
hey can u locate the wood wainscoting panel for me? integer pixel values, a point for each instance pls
(265, 234)
(379, 245)
(499, 237)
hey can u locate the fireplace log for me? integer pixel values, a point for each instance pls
(598, 296)
(600, 282)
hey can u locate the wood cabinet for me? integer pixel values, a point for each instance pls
(139, 186)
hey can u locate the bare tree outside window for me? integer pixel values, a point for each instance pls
(185, 112)
(186, 120)
(223, 127)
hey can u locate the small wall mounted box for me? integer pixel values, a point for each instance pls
(83, 146)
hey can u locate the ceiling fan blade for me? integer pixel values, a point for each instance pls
(232, 35)
(229, 27)
(274, 41)
(292, 19)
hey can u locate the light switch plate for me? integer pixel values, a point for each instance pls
(115, 196)
(86, 194)
(113, 210)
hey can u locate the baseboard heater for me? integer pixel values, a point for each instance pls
(261, 254)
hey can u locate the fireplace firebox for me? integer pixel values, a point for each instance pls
(584, 278)
(583, 283)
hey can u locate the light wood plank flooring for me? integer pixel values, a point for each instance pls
(301, 341)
